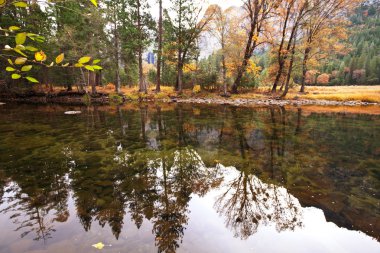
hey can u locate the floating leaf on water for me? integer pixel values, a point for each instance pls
(72, 112)
(99, 245)
(2, 103)
(94, 2)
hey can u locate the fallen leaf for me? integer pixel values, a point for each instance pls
(99, 245)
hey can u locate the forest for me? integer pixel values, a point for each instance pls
(278, 44)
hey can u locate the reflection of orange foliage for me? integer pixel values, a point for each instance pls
(189, 128)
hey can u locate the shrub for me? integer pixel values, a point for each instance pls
(196, 89)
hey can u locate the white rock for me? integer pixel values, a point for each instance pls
(72, 112)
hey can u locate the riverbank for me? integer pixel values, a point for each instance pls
(347, 96)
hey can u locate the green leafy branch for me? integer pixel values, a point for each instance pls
(22, 65)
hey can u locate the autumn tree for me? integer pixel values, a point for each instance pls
(159, 49)
(219, 28)
(327, 17)
(291, 14)
(257, 14)
(186, 28)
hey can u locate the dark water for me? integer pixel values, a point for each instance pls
(188, 179)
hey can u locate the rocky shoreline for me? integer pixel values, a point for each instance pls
(104, 99)
(269, 102)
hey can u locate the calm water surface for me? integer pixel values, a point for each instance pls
(188, 179)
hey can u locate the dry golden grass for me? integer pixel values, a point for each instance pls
(339, 93)
(331, 93)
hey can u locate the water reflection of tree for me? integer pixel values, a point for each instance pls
(38, 200)
(248, 203)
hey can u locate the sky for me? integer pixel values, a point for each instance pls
(222, 3)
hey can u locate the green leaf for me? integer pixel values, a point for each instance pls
(96, 61)
(94, 2)
(78, 65)
(20, 47)
(20, 4)
(32, 79)
(26, 68)
(10, 69)
(19, 52)
(89, 68)
(20, 38)
(84, 60)
(60, 58)
(96, 67)
(14, 28)
(40, 38)
(10, 62)
(20, 60)
(16, 76)
(31, 49)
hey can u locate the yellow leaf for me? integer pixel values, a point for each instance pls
(20, 38)
(2, 3)
(10, 62)
(96, 67)
(20, 60)
(26, 68)
(31, 79)
(13, 27)
(94, 2)
(21, 4)
(84, 60)
(88, 67)
(16, 76)
(19, 52)
(40, 56)
(65, 65)
(10, 69)
(99, 245)
(60, 58)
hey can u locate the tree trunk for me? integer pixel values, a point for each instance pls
(290, 70)
(92, 81)
(180, 77)
(250, 46)
(224, 69)
(142, 86)
(159, 53)
(304, 68)
(117, 56)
